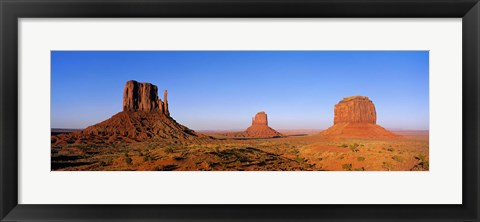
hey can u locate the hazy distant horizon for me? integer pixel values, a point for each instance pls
(223, 90)
(238, 130)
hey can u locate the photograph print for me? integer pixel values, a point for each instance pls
(239, 111)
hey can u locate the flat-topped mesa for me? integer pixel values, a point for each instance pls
(355, 109)
(355, 117)
(143, 97)
(260, 119)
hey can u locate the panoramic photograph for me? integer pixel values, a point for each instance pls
(239, 111)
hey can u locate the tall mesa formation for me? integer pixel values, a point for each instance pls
(260, 119)
(356, 117)
(355, 109)
(145, 117)
(143, 97)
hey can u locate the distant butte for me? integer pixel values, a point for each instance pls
(145, 117)
(356, 117)
(260, 128)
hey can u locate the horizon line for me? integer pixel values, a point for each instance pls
(280, 129)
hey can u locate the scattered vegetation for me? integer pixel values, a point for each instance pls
(387, 165)
(166, 168)
(250, 155)
(397, 158)
(359, 169)
(423, 163)
(128, 160)
(347, 166)
(168, 150)
(147, 157)
(420, 157)
(299, 159)
(354, 147)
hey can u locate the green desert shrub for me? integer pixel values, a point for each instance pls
(397, 158)
(354, 147)
(420, 157)
(128, 160)
(147, 157)
(387, 165)
(423, 163)
(299, 159)
(103, 163)
(359, 169)
(169, 150)
(347, 166)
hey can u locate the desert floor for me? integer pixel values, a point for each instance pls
(294, 152)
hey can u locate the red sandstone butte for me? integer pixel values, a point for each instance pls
(143, 97)
(356, 117)
(260, 128)
(260, 119)
(144, 118)
(355, 109)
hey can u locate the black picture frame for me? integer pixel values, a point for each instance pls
(12, 10)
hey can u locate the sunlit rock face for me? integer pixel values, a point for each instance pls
(355, 109)
(143, 97)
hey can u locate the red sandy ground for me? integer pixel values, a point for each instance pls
(296, 151)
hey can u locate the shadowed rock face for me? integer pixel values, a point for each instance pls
(143, 97)
(355, 109)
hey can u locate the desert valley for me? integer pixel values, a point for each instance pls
(145, 136)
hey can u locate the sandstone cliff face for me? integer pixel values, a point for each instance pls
(355, 109)
(355, 117)
(260, 119)
(143, 97)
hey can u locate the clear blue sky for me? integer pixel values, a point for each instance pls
(222, 90)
